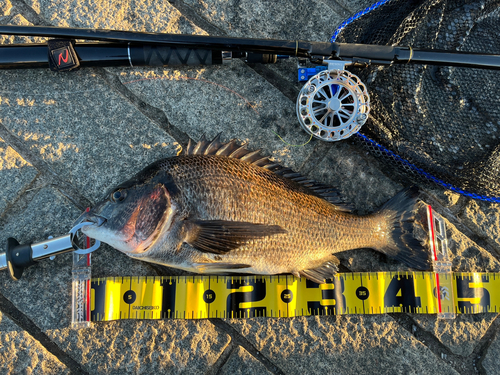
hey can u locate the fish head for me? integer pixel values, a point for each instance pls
(131, 216)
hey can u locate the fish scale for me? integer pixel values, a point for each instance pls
(262, 203)
(222, 208)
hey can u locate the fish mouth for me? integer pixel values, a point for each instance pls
(92, 219)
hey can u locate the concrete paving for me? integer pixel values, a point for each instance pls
(65, 139)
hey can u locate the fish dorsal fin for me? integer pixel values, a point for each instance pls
(235, 150)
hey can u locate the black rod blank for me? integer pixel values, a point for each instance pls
(157, 49)
(280, 47)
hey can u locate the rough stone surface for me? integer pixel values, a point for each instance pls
(84, 131)
(19, 20)
(175, 347)
(241, 18)
(20, 353)
(490, 360)
(34, 4)
(15, 174)
(347, 169)
(252, 111)
(467, 256)
(342, 345)
(5, 7)
(352, 5)
(144, 347)
(135, 15)
(241, 362)
(484, 218)
(460, 335)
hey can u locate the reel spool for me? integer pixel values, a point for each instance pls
(333, 105)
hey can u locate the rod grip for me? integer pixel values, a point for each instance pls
(159, 55)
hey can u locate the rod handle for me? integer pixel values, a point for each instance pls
(158, 55)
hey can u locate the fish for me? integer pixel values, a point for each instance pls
(219, 208)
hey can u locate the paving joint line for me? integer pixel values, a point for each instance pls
(29, 13)
(461, 204)
(406, 322)
(25, 323)
(459, 363)
(68, 191)
(19, 197)
(223, 358)
(240, 340)
(154, 114)
(482, 239)
(196, 18)
(6, 19)
(335, 5)
(481, 349)
(288, 89)
(318, 154)
(162, 121)
(65, 188)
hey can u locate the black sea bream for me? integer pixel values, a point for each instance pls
(220, 208)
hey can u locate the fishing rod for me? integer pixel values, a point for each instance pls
(332, 105)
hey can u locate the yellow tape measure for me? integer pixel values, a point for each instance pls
(200, 297)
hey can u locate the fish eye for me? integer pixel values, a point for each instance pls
(118, 195)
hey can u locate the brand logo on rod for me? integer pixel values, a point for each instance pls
(63, 57)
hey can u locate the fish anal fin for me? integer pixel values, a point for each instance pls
(324, 272)
(221, 236)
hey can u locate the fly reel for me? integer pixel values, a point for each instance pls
(333, 105)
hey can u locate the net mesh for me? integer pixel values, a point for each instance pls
(437, 122)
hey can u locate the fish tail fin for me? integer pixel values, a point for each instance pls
(399, 214)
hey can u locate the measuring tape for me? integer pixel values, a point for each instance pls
(201, 297)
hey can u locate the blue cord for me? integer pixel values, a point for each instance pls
(355, 17)
(425, 174)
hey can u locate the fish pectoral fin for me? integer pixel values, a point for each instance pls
(326, 271)
(218, 267)
(221, 236)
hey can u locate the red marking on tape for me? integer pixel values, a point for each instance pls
(433, 235)
(88, 265)
(438, 292)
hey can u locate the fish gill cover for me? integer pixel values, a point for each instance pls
(440, 123)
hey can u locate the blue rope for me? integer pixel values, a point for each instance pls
(425, 174)
(355, 17)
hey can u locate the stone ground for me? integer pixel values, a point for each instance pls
(66, 138)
